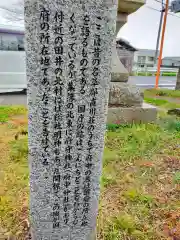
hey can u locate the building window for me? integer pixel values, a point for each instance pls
(176, 64)
(141, 59)
(11, 42)
(20, 39)
(150, 59)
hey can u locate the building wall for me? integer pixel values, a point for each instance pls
(144, 58)
(11, 42)
(12, 61)
(12, 70)
(171, 62)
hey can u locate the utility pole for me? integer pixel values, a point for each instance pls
(159, 34)
(162, 44)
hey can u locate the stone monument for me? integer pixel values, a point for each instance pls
(68, 48)
(126, 100)
(178, 80)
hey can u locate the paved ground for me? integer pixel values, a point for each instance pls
(151, 80)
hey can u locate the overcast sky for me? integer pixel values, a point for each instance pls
(142, 27)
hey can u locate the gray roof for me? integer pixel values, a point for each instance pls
(11, 29)
(146, 49)
(172, 58)
(124, 43)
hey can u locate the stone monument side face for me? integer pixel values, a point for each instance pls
(68, 48)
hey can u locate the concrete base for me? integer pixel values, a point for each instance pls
(144, 114)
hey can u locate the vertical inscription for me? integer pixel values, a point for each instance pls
(58, 103)
(69, 120)
(81, 118)
(96, 60)
(58, 88)
(84, 62)
(45, 85)
(85, 33)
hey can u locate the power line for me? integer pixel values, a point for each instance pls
(160, 10)
(162, 42)
(153, 8)
(160, 2)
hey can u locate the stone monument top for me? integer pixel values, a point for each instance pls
(125, 7)
(121, 93)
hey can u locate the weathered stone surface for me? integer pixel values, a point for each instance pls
(178, 80)
(119, 72)
(120, 76)
(175, 111)
(125, 95)
(68, 49)
(122, 115)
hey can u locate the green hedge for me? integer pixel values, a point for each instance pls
(168, 74)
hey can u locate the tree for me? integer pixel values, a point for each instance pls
(15, 12)
(178, 80)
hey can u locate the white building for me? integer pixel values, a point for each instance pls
(171, 62)
(143, 59)
(12, 59)
(11, 39)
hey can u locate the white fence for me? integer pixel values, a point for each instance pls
(153, 70)
(162, 70)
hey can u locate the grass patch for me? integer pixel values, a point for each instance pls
(14, 187)
(106, 181)
(168, 74)
(139, 184)
(177, 177)
(157, 102)
(162, 92)
(8, 111)
(14, 177)
(138, 189)
(144, 74)
(161, 103)
(135, 196)
(113, 126)
(135, 141)
(173, 125)
(19, 150)
(122, 222)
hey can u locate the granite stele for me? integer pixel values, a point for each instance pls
(68, 47)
